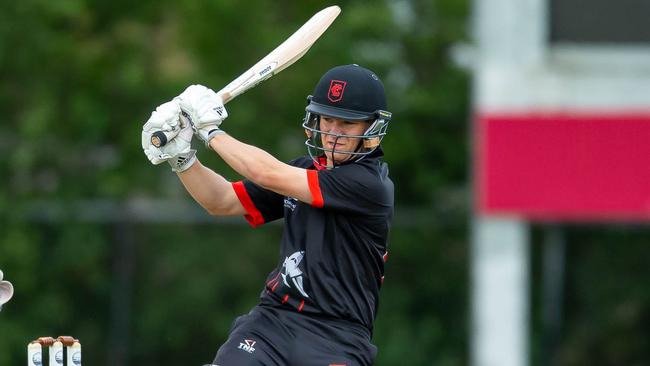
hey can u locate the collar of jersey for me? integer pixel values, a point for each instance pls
(321, 164)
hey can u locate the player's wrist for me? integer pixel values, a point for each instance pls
(182, 162)
(206, 134)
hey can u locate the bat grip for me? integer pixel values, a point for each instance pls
(161, 138)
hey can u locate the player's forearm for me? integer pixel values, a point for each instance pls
(252, 162)
(212, 191)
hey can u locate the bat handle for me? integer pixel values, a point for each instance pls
(161, 138)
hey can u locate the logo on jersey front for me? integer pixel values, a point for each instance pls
(247, 346)
(291, 271)
(335, 92)
(290, 203)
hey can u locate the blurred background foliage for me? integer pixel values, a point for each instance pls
(106, 247)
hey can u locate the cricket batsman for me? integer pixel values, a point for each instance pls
(318, 305)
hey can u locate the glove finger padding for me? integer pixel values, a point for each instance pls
(154, 155)
(202, 106)
(181, 144)
(166, 118)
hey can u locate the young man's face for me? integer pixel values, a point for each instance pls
(341, 127)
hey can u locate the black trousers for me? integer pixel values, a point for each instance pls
(271, 336)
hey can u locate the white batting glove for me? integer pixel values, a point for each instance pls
(204, 110)
(177, 152)
(6, 291)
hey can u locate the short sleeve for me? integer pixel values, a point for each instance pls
(351, 188)
(261, 205)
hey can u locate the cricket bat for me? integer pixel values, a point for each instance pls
(290, 51)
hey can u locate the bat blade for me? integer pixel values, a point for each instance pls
(283, 56)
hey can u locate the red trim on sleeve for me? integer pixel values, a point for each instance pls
(386, 257)
(314, 188)
(254, 216)
(285, 299)
(302, 304)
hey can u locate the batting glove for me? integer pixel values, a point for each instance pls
(6, 291)
(203, 109)
(177, 152)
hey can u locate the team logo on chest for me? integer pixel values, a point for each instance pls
(291, 272)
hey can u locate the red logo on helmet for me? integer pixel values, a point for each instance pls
(335, 94)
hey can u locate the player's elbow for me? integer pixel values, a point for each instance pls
(214, 211)
(217, 209)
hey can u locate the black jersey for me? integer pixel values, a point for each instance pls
(333, 251)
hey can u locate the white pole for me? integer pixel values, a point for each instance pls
(499, 331)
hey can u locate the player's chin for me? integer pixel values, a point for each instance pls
(339, 157)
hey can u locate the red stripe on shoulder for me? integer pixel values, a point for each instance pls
(314, 188)
(254, 216)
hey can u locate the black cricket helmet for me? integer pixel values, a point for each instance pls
(350, 93)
